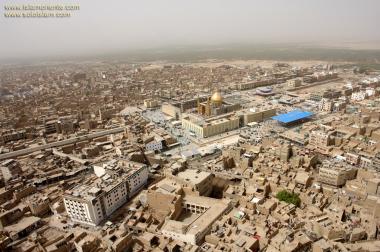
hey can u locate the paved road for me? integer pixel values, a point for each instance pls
(61, 143)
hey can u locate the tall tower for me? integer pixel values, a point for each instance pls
(208, 108)
(199, 106)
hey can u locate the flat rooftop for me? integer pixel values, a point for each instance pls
(214, 209)
(22, 224)
(292, 116)
(93, 188)
(193, 176)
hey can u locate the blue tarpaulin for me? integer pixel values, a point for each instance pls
(292, 116)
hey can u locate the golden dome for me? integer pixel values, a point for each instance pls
(217, 97)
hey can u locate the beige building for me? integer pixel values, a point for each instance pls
(171, 110)
(322, 140)
(335, 174)
(257, 116)
(326, 105)
(11, 135)
(10, 168)
(373, 186)
(352, 158)
(107, 113)
(196, 181)
(294, 83)
(150, 103)
(196, 219)
(210, 127)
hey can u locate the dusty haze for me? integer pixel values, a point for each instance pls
(103, 26)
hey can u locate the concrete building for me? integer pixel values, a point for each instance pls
(153, 142)
(12, 135)
(199, 214)
(10, 168)
(136, 173)
(210, 127)
(154, 145)
(92, 203)
(352, 158)
(106, 113)
(322, 139)
(294, 83)
(359, 96)
(256, 83)
(336, 174)
(326, 105)
(150, 103)
(373, 186)
(65, 125)
(51, 126)
(329, 93)
(176, 109)
(196, 181)
(256, 115)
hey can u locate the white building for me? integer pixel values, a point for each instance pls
(154, 145)
(117, 182)
(137, 180)
(359, 96)
(325, 105)
(370, 91)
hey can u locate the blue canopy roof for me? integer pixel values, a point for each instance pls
(292, 116)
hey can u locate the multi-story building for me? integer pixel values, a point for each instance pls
(359, 96)
(118, 181)
(361, 161)
(153, 142)
(106, 113)
(294, 83)
(12, 135)
(352, 158)
(329, 93)
(51, 126)
(326, 105)
(339, 105)
(10, 168)
(321, 140)
(150, 103)
(206, 210)
(336, 174)
(210, 127)
(370, 91)
(317, 96)
(322, 76)
(65, 125)
(249, 116)
(154, 145)
(256, 83)
(365, 162)
(198, 182)
(136, 173)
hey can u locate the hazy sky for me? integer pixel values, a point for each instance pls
(109, 25)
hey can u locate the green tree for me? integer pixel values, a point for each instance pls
(289, 197)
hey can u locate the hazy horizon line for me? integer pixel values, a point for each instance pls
(171, 50)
